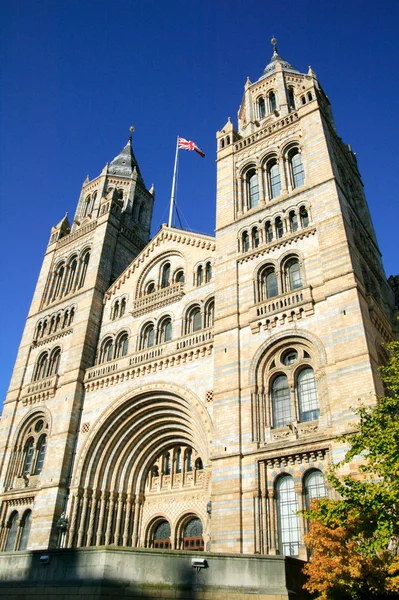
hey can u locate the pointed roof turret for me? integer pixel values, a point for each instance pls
(276, 59)
(125, 163)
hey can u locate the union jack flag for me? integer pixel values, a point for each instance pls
(187, 145)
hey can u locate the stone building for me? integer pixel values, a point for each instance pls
(186, 391)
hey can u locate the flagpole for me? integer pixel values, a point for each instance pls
(172, 197)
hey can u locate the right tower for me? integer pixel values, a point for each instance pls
(303, 310)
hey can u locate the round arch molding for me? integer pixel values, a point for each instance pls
(112, 467)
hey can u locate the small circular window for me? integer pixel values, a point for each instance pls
(289, 357)
(39, 426)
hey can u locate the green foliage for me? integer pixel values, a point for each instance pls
(356, 538)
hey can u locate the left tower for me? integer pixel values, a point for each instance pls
(41, 415)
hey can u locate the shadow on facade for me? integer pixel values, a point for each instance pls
(109, 572)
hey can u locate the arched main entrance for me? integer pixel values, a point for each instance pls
(192, 535)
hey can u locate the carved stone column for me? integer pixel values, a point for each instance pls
(81, 532)
(137, 511)
(121, 501)
(239, 196)
(103, 505)
(262, 199)
(128, 514)
(110, 518)
(93, 510)
(282, 175)
(74, 513)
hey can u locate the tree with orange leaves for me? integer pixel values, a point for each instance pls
(355, 540)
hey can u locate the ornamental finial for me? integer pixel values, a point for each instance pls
(131, 129)
(273, 41)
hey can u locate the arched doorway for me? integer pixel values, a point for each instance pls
(161, 538)
(192, 535)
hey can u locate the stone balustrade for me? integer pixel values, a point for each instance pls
(158, 299)
(290, 306)
(39, 390)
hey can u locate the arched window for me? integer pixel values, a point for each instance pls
(293, 221)
(274, 179)
(303, 213)
(41, 367)
(54, 362)
(148, 336)
(296, 168)
(25, 526)
(194, 320)
(310, 97)
(165, 332)
(29, 451)
(268, 283)
(123, 307)
(58, 281)
(200, 275)
(281, 401)
(210, 314)
(291, 98)
(293, 277)
(314, 487)
(165, 279)
(269, 231)
(261, 108)
(115, 311)
(57, 322)
(307, 395)
(106, 350)
(198, 464)
(245, 241)
(288, 520)
(272, 102)
(52, 325)
(179, 277)
(255, 237)
(162, 535)
(86, 209)
(150, 288)
(83, 272)
(208, 272)
(222, 143)
(72, 316)
(253, 189)
(192, 535)
(41, 453)
(93, 201)
(12, 532)
(122, 345)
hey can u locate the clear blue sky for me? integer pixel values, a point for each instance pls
(77, 73)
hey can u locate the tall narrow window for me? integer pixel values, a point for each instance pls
(279, 227)
(269, 231)
(12, 532)
(150, 288)
(274, 179)
(293, 221)
(41, 367)
(179, 278)
(87, 204)
(307, 395)
(106, 351)
(189, 459)
(83, 271)
(245, 242)
(272, 102)
(41, 453)
(209, 314)
(116, 310)
(255, 237)
(54, 362)
(122, 345)
(208, 272)
(165, 331)
(281, 401)
(178, 461)
(297, 171)
(261, 108)
(58, 283)
(28, 457)
(291, 98)
(293, 274)
(200, 275)
(268, 282)
(288, 520)
(194, 320)
(253, 189)
(304, 216)
(71, 275)
(165, 279)
(148, 338)
(167, 464)
(26, 523)
(315, 487)
(123, 307)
